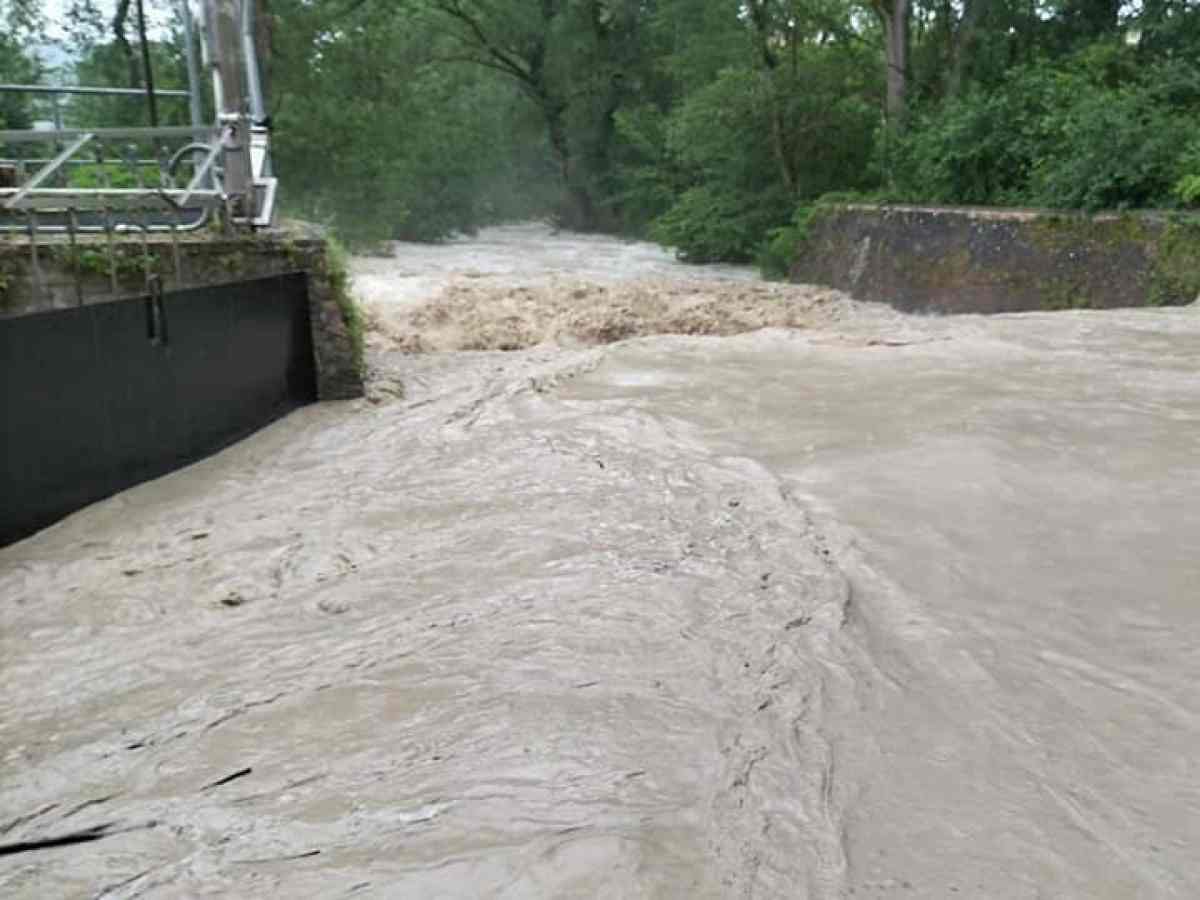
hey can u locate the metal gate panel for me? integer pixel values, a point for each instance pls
(102, 397)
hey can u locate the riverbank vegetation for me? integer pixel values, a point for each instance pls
(705, 124)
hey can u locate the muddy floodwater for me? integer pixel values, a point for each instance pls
(803, 598)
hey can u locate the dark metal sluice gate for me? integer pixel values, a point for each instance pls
(96, 399)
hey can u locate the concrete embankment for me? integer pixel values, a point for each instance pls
(56, 274)
(123, 360)
(958, 259)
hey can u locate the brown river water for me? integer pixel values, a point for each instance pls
(700, 588)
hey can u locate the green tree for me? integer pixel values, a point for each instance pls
(706, 123)
(578, 61)
(104, 64)
(1090, 131)
(788, 116)
(376, 133)
(16, 110)
(22, 24)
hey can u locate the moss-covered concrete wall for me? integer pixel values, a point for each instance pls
(55, 274)
(984, 260)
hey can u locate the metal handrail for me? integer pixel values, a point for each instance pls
(187, 207)
(104, 134)
(225, 162)
(146, 162)
(81, 89)
(229, 170)
(47, 170)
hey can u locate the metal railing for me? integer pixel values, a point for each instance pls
(119, 171)
(229, 161)
(78, 183)
(56, 90)
(108, 169)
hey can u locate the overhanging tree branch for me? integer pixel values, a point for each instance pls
(118, 30)
(503, 58)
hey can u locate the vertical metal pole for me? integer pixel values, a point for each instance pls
(175, 254)
(112, 253)
(35, 272)
(208, 18)
(230, 63)
(101, 165)
(258, 107)
(75, 261)
(227, 56)
(146, 264)
(193, 67)
(56, 106)
(133, 160)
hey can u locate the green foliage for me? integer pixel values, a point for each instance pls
(1110, 149)
(728, 192)
(337, 270)
(703, 123)
(730, 162)
(645, 178)
(1187, 190)
(103, 64)
(706, 225)
(94, 175)
(706, 124)
(962, 152)
(778, 251)
(1096, 133)
(16, 110)
(1176, 276)
(128, 262)
(376, 140)
(1187, 185)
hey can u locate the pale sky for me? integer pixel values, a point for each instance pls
(158, 14)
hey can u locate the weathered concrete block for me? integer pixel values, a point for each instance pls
(53, 274)
(989, 260)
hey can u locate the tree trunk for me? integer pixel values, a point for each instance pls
(894, 14)
(782, 142)
(775, 106)
(964, 39)
(525, 61)
(147, 68)
(602, 216)
(118, 30)
(263, 27)
(1087, 20)
(579, 211)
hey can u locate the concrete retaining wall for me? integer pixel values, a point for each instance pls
(101, 397)
(984, 261)
(56, 275)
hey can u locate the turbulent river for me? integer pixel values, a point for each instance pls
(633, 580)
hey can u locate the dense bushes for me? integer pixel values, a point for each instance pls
(1098, 132)
(725, 192)
(733, 159)
(378, 140)
(15, 109)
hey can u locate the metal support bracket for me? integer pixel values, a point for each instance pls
(16, 201)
